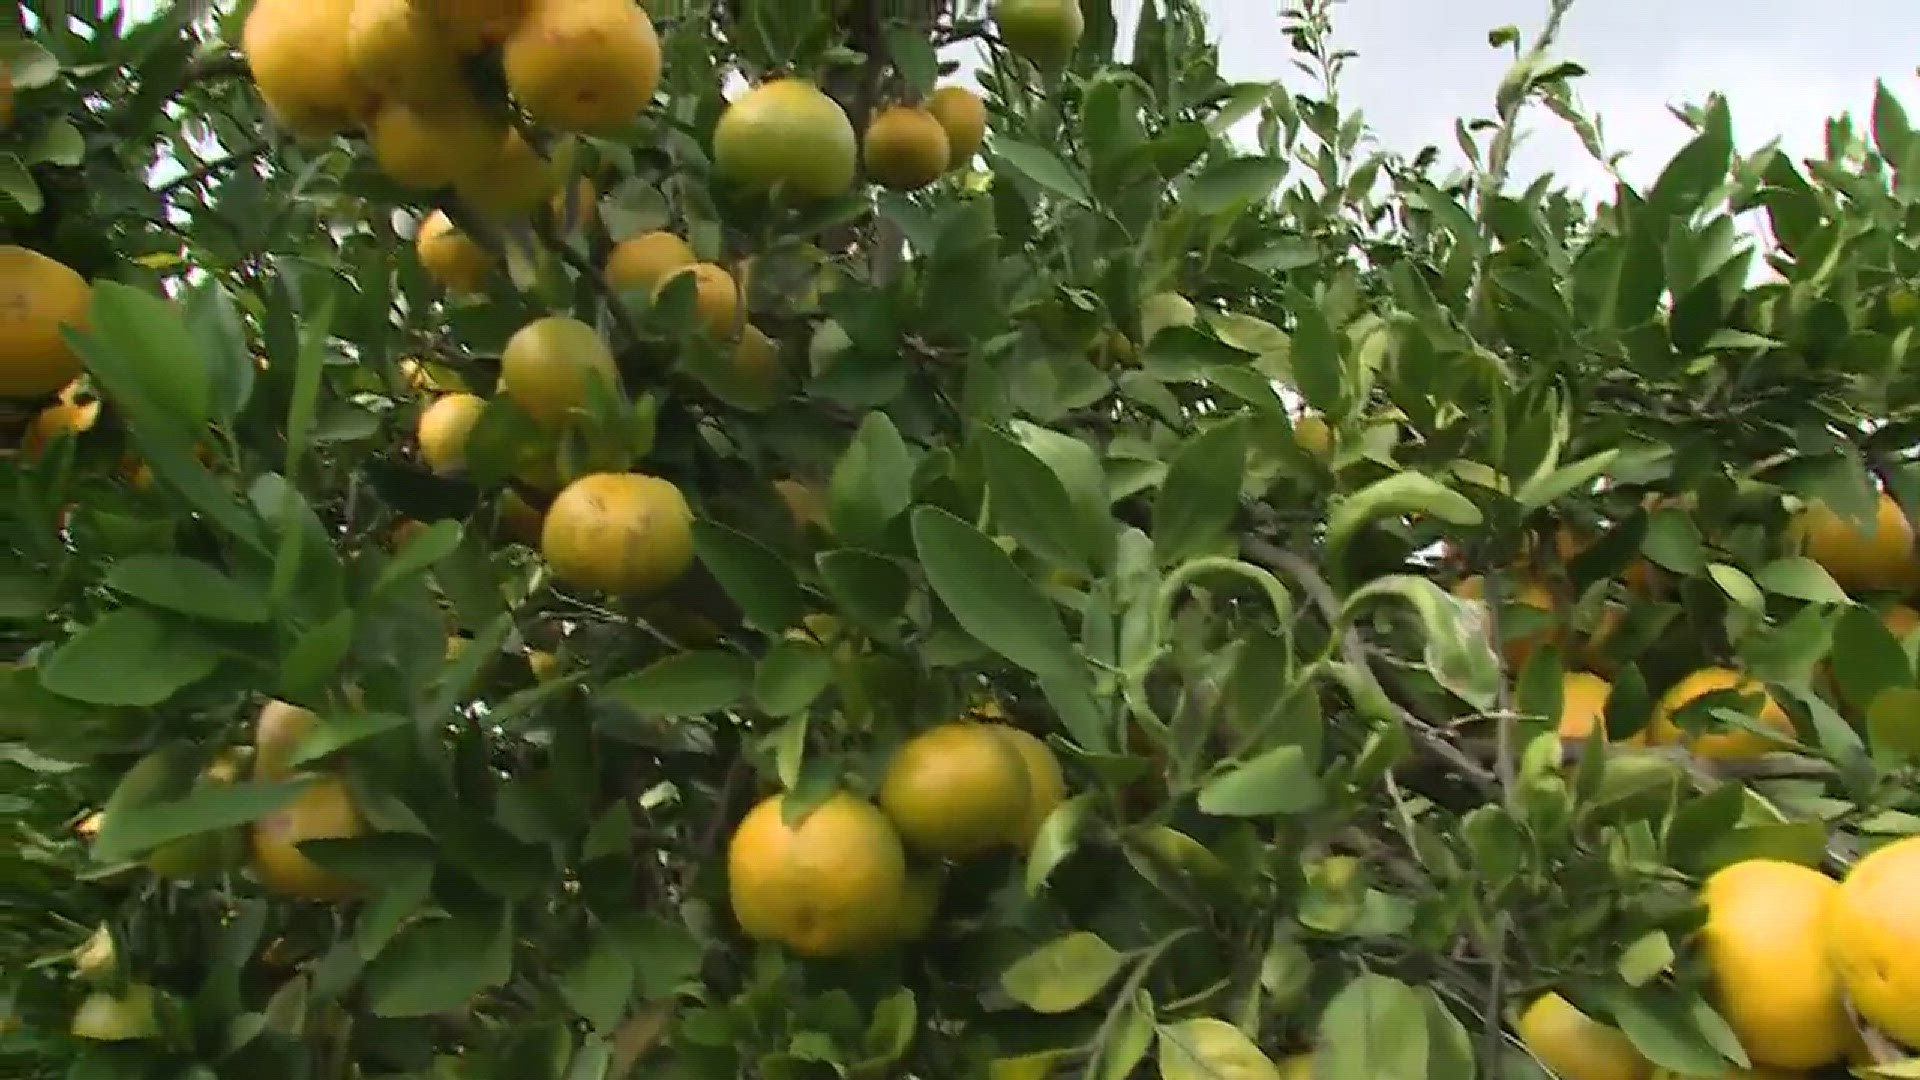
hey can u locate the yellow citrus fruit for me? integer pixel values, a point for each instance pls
(1900, 620)
(443, 430)
(297, 51)
(1046, 784)
(97, 961)
(545, 666)
(583, 65)
(276, 735)
(450, 257)
(38, 296)
(807, 504)
(957, 790)
(906, 148)
(963, 116)
(430, 376)
(1757, 1073)
(400, 54)
(472, 25)
(920, 902)
(624, 533)
(1296, 1066)
(1533, 593)
(516, 185)
(1732, 743)
(786, 133)
(1043, 31)
(716, 297)
(576, 207)
(1583, 705)
(520, 520)
(1575, 1046)
(1882, 560)
(757, 374)
(830, 884)
(61, 418)
(1314, 435)
(131, 1014)
(1765, 940)
(431, 150)
(1874, 933)
(546, 365)
(323, 811)
(644, 261)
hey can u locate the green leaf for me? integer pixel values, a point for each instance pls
(872, 482)
(207, 808)
(913, 58)
(1204, 1048)
(17, 184)
(989, 596)
(751, 574)
(1738, 586)
(1280, 781)
(1314, 358)
(1077, 466)
(189, 587)
(1543, 490)
(440, 966)
(129, 657)
(1659, 1023)
(1893, 724)
(1044, 168)
(1063, 974)
(440, 540)
(1698, 170)
(1201, 493)
(1235, 183)
(791, 676)
(685, 684)
(1376, 1027)
(871, 589)
(1673, 541)
(1892, 131)
(598, 984)
(1802, 579)
(1646, 959)
(334, 734)
(1867, 659)
(1030, 504)
(1400, 494)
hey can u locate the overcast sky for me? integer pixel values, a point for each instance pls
(1785, 66)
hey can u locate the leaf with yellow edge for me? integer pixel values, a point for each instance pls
(1209, 1049)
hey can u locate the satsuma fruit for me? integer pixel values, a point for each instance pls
(443, 430)
(277, 733)
(1731, 744)
(427, 151)
(400, 54)
(1575, 1046)
(454, 260)
(297, 51)
(131, 1014)
(642, 262)
(1765, 940)
(583, 65)
(1046, 784)
(623, 533)
(546, 365)
(832, 883)
(957, 790)
(786, 134)
(1043, 31)
(325, 810)
(1873, 930)
(906, 148)
(1878, 560)
(38, 296)
(716, 297)
(963, 116)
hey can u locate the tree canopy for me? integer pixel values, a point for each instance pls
(789, 539)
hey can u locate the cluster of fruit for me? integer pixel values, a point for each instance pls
(1790, 949)
(838, 878)
(1878, 560)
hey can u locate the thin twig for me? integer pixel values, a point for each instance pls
(1353, 648)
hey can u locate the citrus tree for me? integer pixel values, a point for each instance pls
(566, 540)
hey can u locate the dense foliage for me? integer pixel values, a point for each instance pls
(557, 542)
